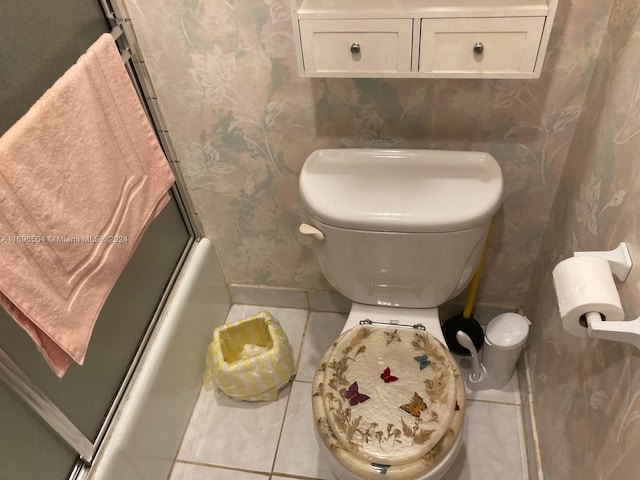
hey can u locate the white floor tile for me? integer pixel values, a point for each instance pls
(234, 434)
(324, 328)
(221, 430)
(298, 452)
(186, 471)
(493, 444)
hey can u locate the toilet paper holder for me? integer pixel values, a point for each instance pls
(627, 331)
(619, 260)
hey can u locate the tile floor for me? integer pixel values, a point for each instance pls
(228, 440)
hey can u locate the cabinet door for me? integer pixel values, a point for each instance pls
(354, 47)
(477, 46)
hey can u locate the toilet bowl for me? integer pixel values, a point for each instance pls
(388, 397)
(399, 232)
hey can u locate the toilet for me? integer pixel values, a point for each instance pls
(398, 232)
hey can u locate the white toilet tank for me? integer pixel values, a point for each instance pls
(401, 228)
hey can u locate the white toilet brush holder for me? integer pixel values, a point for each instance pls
(478, 378)
(504, 340)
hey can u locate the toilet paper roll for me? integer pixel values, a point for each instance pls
(583, 285)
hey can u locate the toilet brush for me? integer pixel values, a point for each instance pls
(465, 321)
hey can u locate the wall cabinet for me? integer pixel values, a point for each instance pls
(422, 38)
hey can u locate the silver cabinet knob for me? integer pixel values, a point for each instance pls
(355, 48)
(478, 48)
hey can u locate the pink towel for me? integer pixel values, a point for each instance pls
(81, 177)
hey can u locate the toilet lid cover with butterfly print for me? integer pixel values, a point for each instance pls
(388, 395)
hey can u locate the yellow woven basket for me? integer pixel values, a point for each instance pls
(250, 359)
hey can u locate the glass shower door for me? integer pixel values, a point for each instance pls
(39, 41)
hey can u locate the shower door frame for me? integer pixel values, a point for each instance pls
(125, 38)
(10, 372)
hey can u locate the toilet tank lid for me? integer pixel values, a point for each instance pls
(401, 190)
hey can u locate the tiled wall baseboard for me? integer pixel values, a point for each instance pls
(328, 301)
(320, 301)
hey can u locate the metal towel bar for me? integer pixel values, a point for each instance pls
(18, 381)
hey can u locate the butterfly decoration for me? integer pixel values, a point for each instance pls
(416, 406)
(354, 396)
(387, 377)
(393, 336)
(423, 360)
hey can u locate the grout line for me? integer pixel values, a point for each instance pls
(495, 402)
(286, 408)
(173, 466)
(310, 310)
(329, 311)
(310, 382)
(222, 467)
(302, 339)
(296, 477)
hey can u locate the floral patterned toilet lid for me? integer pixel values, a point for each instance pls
(389, 399)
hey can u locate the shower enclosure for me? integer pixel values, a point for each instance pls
(39, 41)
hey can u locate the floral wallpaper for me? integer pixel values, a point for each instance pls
(243, 123)
(586, 392)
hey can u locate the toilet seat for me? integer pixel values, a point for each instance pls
(388, 400)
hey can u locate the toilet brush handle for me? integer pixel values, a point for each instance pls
(473, 286)
(471, 295)
(476, 374)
